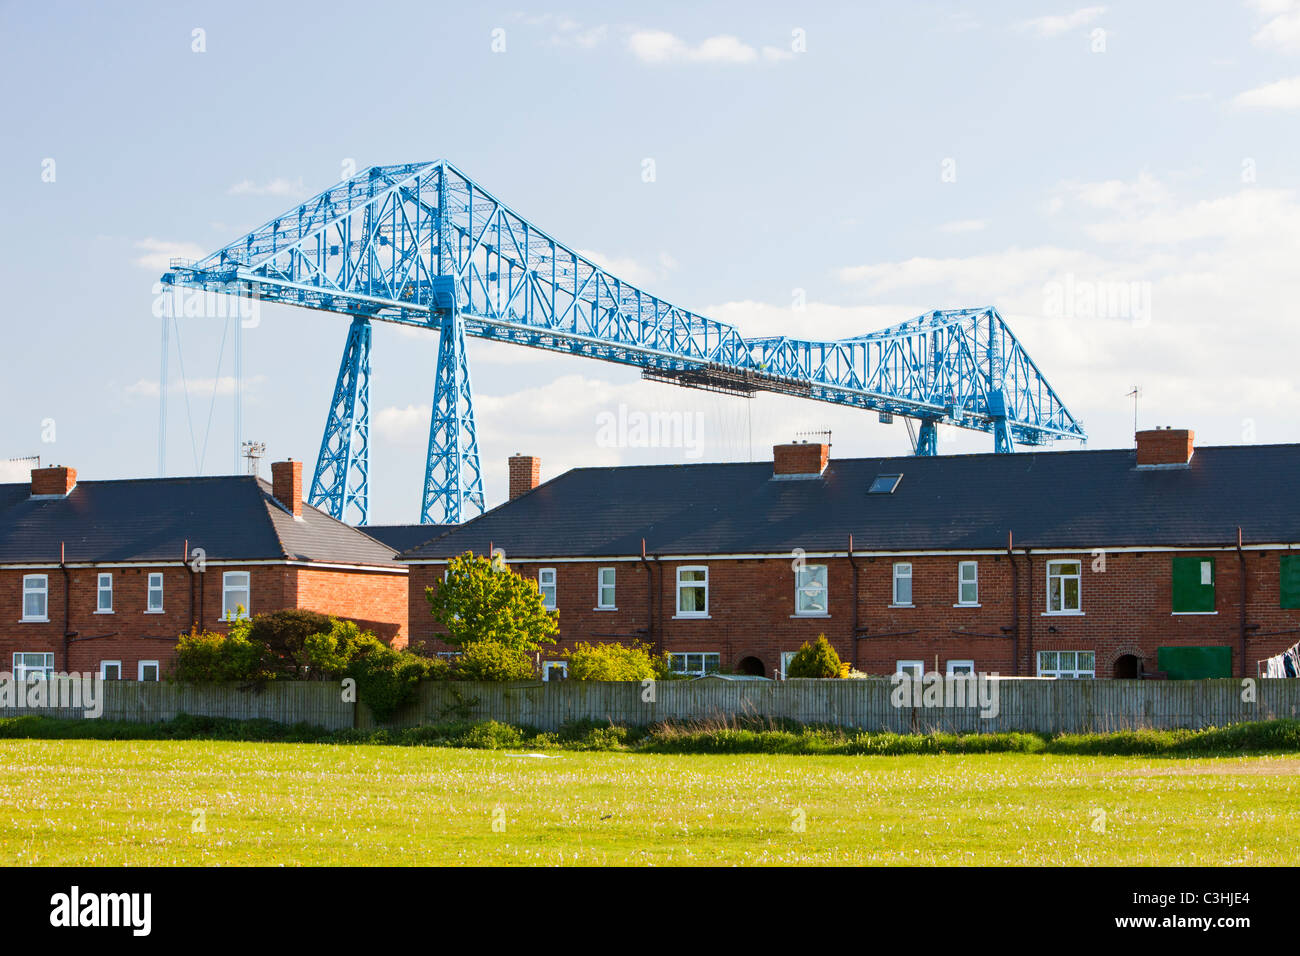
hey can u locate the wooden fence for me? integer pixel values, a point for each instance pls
(1035, 705)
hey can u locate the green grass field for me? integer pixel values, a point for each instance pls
(133, 802)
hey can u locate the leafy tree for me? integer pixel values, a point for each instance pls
(284, 634)
(814, 660)
(493, 661)
(482, 600)
(614, 662)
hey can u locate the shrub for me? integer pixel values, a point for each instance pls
(814, 660)
(209, 656)
(611, 662)
(284, 633)
(483, 600)
(493, 661)
(387, 679)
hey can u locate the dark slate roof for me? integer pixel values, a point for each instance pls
(1066, 499)
(150, 519)
(403, 537)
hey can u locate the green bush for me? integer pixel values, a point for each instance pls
(283, 634)
(210, 656)
(387, 679)
(493, 661)
(814, 660)
(612, 662)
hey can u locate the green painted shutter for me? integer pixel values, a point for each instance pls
(1194, 663)
(1191, 592)
(1290, 583)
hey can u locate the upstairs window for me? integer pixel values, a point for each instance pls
(546, 584)
(968, 582)
(154, 602)
(235, 596)
(35, 597)
(692, 592)
(810, 590)
(104, 594)
(605, 589)
(1193, 585)
(1063, 587)
(903, 585)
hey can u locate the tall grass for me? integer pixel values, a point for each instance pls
(712, 736)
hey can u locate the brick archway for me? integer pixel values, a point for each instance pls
(1124, 650)
(746, 657)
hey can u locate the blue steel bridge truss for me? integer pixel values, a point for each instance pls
(424, 245)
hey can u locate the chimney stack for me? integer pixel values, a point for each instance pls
(286, 484)
(1165, 447)
(800, 459)
(525, 474)
(55, 480)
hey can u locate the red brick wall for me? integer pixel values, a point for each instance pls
(800, 458)
(525, 474)
(131, 635)
(1164, 446)
(1127, 609)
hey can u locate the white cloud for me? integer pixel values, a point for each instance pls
(1280, 95)
(272, 187)
(631, 270)
(660, 46)
(200, 387)
(963, 225)
(1282, 31)
(1054, 26)
(157, 254)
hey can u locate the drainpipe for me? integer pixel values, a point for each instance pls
(649, 596)
(1015, 608)
(185, 554)
(1029, 611)
(1241, 604)
(853, 563)
(67, 603)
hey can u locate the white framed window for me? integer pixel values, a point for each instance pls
(36, 597)
(555, 670)
(546, 584)
(693, 663)
(810, 590)
(28, 665)
(605, 589)
(235, 588)
(148, 670)
(1073, 665)
(154, 602)
(961, 668)
(110, 670)
(1063, 587)
(693, 591)
(968, 583)
(902, 584)
(104, 593)
(913, 669)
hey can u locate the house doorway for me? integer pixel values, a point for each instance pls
(1127, 667)
(750, 666)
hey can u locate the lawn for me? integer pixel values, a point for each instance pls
(134, 802)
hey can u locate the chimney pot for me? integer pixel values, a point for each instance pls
(525, 474)
(286, 484)
(1165, 446)
(55, 480)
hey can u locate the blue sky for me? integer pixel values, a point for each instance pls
(885, 159)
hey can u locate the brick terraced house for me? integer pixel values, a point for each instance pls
(1164, 560)
(102, 576)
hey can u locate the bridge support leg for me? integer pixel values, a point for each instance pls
(927, 438)
(453, 480)
(1002, 442)
(341, 484)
